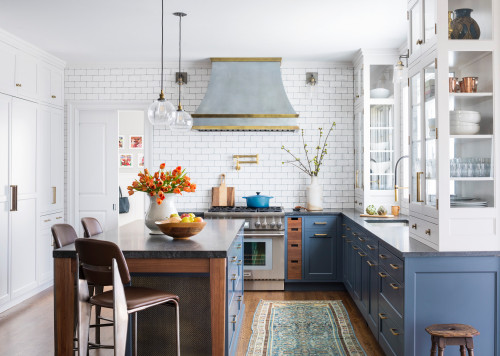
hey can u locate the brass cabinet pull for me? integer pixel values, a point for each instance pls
(348, 241)
(320, 234)
(370, 247)
(394, 286)
(240, 298)
(428, 232)
(54, 195)
(239, 263)
(354, 247)
(18, 85)
(361, 239)
(234, 258)
(370, 263)
(344, 236)
(382, 316)
(382, 274)
(354, 234)
(348, 228)
(53, 96)
(414, 226)
(13, 206)
(419, 42)
(46, 220)
(384, 257)
(58, 217)
(234, 277)
(419, 190)
(238, 246)
(393, 266)
(394, 331)
(362, 254)
(320, 223)
(234, 320)
(343, 224)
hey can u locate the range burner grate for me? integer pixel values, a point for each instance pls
(244, 209)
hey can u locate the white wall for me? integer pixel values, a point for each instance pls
(207, 154)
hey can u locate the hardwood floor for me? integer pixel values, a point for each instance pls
(363, 333)
(27, 329)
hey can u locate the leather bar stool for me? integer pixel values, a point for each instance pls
(91, 227)
(452, 334)
(63, 235)
(103, 263)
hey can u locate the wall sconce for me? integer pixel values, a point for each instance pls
(237, 158)
(399, 67)
(311, 81)
(182, 77)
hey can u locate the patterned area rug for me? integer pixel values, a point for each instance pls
(319, 327)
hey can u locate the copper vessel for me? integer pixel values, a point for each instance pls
(469, 85)
(453, 84)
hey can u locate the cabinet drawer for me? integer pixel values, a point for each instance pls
(46, 221)
(392, 291)
(391, 329)
(294, 224)
(232, 319)
(326, 223)
(424, 230)
(294, 269)
(392, 264)
(295, 236)
(294, 251)
(319, 234)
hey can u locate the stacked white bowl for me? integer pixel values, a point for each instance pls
(463, 122)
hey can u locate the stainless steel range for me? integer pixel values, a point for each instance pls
(264, 244)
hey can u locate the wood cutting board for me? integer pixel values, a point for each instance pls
(376, 216)
(222, 195)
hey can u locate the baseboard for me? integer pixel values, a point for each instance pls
(315, 286)
(25, 296)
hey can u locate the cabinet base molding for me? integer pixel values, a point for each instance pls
(22, 298)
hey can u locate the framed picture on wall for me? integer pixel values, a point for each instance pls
(126, 160)
(140, 159)
(120, 141)
(136, 141)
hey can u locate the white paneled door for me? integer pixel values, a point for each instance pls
(98, 167)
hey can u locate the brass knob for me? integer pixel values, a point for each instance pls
(428, 232)
(414, 226)
(419, 42)
(18, 85)
(53, 96)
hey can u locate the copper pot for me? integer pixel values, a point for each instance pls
(453, 84)
(469, 85)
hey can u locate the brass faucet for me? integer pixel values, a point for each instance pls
(396, 188)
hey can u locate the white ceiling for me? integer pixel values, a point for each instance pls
(107, 31)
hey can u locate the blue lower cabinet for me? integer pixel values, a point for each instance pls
(356, 261)
(235, 304)
(373, 297)
(320, 248)
(365, 282)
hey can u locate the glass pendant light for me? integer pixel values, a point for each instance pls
(160, 110)
(180, 120)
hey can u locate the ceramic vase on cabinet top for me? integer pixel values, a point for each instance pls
(159, 212)
(464, 27)
(314, 193)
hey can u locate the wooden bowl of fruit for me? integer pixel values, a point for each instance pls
(181, 227)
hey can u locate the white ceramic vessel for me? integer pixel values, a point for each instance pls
(159, 212)
(314, 193)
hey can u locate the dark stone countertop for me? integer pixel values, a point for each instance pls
(135, 242)
(395, 238)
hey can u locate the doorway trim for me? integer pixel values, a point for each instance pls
(72, 163)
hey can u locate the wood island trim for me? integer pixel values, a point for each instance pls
(64, 296)
(173, 265)
(218, 304)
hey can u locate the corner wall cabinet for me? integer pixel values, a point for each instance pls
(454, 190)
(376, 128)
(31, 170)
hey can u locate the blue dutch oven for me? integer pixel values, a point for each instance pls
(258, 201)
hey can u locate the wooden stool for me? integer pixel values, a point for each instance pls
(452, 334)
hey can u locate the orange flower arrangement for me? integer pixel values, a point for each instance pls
(162, 182)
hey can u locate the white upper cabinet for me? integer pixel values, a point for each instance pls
(50, 81)
(26, 80)
(422, 27)
(7, 69)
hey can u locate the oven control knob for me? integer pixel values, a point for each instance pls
(257, 223)
(279, 224)
(264, 223)
(272, 224)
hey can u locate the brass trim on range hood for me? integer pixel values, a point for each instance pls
(245, 59)
(272, 116)
(245, 128)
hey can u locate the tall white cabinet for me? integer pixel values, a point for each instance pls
(31, 167)
(454, 154)
(376, 128)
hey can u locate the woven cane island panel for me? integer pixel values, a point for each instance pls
(156, 326)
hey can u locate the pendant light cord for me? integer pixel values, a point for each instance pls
(180, 75)
(162, 45)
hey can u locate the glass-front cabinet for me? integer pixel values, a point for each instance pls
(376, 129)
(422, 27)
(454, 111)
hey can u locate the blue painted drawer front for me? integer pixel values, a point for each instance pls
(391, 332)
(326, 223)
(392, 264)
(320, 257)
(232, 320)
(374, 290)
(392, 291)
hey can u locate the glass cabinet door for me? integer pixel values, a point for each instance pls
(359, 150)
(415, 39)
(381, 147)
(429, 20)
(416, 139)
(430, 135)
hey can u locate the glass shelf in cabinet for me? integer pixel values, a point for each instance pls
(471, 95)
(471, 179)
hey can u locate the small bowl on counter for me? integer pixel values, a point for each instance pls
(181, 231)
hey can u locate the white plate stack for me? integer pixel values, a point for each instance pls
(464, 122)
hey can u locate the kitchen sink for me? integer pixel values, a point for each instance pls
(387, 223)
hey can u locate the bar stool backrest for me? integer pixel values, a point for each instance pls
(63, 235)
(96, 258)
(91, 227)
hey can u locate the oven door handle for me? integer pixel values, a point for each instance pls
(263, 235)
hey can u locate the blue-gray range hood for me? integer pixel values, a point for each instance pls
(245, 94)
